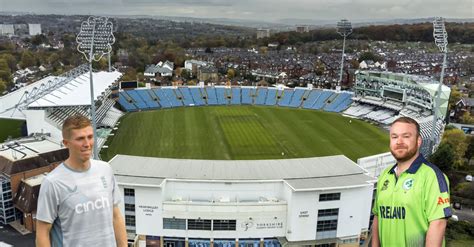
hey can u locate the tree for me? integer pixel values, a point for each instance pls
(457, 139)
(230, 74)
(369, 56)
(27, 59)
(466, 118)
(454, 97)
(11, 61)
(3, 86)
(443, 157)
(470, 148)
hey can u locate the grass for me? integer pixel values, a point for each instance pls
(243, 132)
(10, 128)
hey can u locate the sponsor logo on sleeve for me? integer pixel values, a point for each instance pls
(442, 201)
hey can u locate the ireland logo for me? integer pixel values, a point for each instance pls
(408, 184)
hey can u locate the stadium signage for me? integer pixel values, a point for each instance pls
(148, 210)
(272, 225)
(304, 214)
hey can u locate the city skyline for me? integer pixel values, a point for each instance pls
(258, 10)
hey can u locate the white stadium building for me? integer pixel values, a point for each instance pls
(322, 201)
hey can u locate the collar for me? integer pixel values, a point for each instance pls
(413, 167)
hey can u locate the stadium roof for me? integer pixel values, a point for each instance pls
(301, 174)
(77, 91)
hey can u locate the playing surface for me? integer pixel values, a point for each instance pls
(10, 128)
(243, 132)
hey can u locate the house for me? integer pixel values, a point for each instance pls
(162, 69)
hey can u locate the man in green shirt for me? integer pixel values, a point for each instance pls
(412, 202)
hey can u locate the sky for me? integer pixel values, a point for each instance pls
(261, 10)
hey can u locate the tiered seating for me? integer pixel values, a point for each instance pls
(286, 97)
(145, 95)
(59, 114)
(139, 102)
(271, 96)
(111, 117)
(221, 99)
(197, 96)
(340, 103)
(297, 97)
(163, 100)
(235, 96)
(359, 110)
(170, 94)
(247, 95)
(126, 102)
(186, 96)
(312, 98)
(211, 96)
(261, 96)
(325, 95)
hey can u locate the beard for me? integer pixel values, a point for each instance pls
(404, 156)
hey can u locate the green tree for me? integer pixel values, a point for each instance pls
(11, 61)
(470, 148)
(369, 56)
(454, 97)
(443, 157)
(3, 86)
(230, 74)
(457, 139)
(466, 118)
(27, 59)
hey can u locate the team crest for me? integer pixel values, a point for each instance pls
(385, 185)
(408, 183)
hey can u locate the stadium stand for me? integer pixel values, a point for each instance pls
(211, 96)
(285, 97)
(186, 96)
(261, 96)
(323, 97)
(197, 96)
(221, 97)
(271, 96)
(235, 96)
(162, 99)
(247, 95)
(172, 97)
(297, 97)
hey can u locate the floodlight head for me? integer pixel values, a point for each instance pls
(439, 33)
(344, 27)
(95, 38)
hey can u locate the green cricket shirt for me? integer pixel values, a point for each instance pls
(406, 205)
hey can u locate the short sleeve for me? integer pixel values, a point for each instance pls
(48, 202)
(117, 198)
(436, 194)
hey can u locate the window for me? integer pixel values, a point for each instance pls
(6, 186)
(328, 212)
(130, 220)
(129, 207)
(172, 223)
(329, 197)
(7, 196)
(326, 225)
(129, 192)
(224, 225)
(199, 224)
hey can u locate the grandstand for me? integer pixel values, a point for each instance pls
(168, 97)
(382, 97)
(45, 104)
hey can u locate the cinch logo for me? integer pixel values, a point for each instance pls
(84, 207)
(442, 201)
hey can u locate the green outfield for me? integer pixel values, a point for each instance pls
(243, 132)
(10, 128)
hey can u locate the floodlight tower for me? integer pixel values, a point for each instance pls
(344, 28)
(441, 40)
(94, 41)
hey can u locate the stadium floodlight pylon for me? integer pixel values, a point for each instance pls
(344, 28)
(94, 41)
(441, 40)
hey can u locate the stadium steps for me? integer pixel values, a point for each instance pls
(297, 98)
(311, 99)
(285, 97)
(197, 96)
(154, 97)
(186, 95)
(321, 101)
